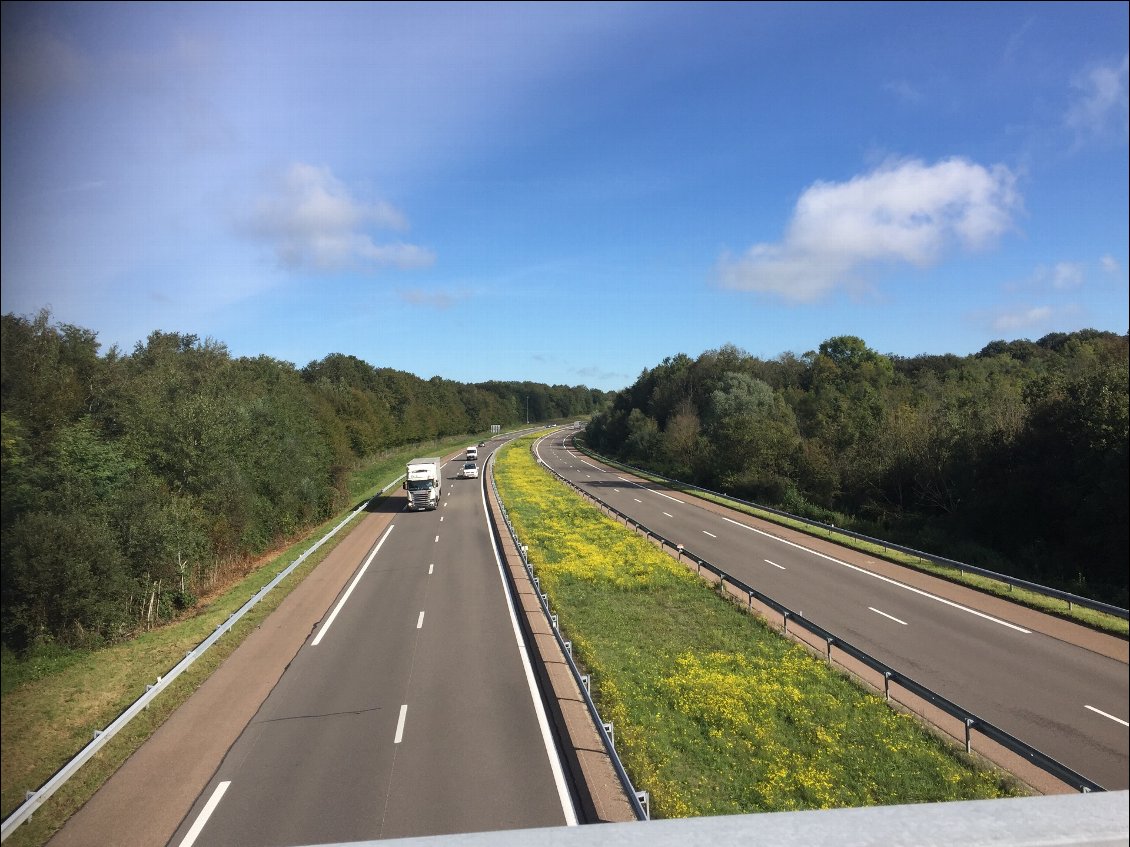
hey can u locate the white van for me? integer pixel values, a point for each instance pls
(472, 454)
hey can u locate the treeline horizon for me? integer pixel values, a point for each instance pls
(133, 483)
(1013, 458)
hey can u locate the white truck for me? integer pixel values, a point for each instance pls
(472, 454)
(423, 482)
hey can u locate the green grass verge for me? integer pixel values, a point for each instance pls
(1040, 602)
(54, 699)
(715, 712)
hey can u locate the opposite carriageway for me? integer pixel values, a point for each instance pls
(969, 649)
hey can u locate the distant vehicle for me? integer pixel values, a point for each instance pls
(469, 471)
(482, 444)
(423, 481)
(472, 454)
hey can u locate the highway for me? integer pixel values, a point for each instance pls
(410, 710)
(1067, 701)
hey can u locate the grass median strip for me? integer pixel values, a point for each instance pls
(714, 712)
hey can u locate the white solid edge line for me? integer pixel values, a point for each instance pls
(205, 813)
(543, 722)
(884, 614)
(400, 724)
(1105, 715)
(329, 621)
(883, 578)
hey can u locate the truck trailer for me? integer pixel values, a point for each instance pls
(423, 481)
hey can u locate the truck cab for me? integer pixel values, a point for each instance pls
(423, 482)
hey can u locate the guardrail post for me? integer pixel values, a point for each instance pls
(887, 685)
(968, 733)
(586, 681)
(784, 623)
(569, 648)
(829, 640)
(611, 732)
(645, 801)
(553, 617)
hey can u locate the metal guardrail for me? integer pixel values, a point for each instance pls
(971, 721)
(637, 799)
(37, 798)
(941, 561)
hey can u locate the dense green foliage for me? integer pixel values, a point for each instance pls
(1014, 458)
(133, 484)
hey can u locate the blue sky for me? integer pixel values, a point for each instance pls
(566, 193)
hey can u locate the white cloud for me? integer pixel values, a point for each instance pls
(1103, 109)
(311, 220)
(1110, 264)
(1066, 275)
(905, 211)
(1032, 320)
(1024, 318)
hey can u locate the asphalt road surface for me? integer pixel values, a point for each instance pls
(1064, 696)
(410, 710)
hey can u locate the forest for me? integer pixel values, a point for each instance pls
(135, 483)
(1013, 458)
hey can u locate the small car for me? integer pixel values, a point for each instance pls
(482, 444)
(469, 470)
